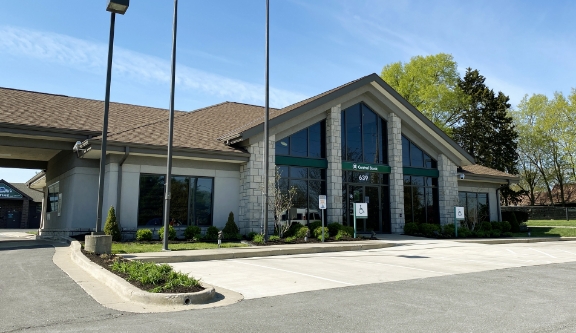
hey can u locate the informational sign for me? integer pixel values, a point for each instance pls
(355, 166)
(459, 213)
(322, 202)
(361, 209)
(6, 192)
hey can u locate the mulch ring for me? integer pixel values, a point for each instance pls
(106, 261)
(312, 240)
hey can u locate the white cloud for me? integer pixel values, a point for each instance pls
(91, 56)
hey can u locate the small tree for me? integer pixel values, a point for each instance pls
(111, 227)
(280, 203)
(231, 229)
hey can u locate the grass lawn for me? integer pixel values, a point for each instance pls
(545, 223)
(143, 247)
(548, 232)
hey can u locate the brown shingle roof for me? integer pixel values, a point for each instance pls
(480, 170)
(50, 111)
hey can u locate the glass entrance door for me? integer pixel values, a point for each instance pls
(377, 198)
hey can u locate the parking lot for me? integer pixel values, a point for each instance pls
(281, 275)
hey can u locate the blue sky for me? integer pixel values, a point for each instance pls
(59, 46)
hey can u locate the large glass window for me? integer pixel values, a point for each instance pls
(309, 184)
(412, 156)
(190, 202)
(309, 142)
(363, 135)
(476, 207)
(54, 198)
(421, 199)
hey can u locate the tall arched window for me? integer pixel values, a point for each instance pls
(363, 135)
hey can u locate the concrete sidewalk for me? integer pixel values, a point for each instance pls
(257, 251)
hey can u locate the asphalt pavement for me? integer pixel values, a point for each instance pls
(36, 296)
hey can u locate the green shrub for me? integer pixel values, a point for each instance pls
(481, 233)
(111, 226)
(302, 231)
(230, 229)
(334, 228)
(507, 234)
(496, 225)
(515, 226)
(505, 226)
(521, 216)
(464, 232)
(258, 239)
(318, 233)
(144, 235)
(430, 229)
(211, 233)
(495, 233)
(292, 230)
(342, 234)
(313, 225)
(290, 239)
(162, 276)
(448, 230)
(347, 229)
(192, 231)
(171, 233)
(274, 238)
(251, 235)
(486, 226)
(411, 228)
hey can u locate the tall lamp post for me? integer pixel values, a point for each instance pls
(120, 7)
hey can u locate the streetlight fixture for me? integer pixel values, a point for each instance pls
(120, 7)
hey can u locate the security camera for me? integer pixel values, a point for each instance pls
(461, 176)
(76, 146)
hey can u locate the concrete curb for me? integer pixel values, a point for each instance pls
(516, 240)
(130, 292)
(251, 252)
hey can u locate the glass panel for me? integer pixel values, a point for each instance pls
(283, 171)
(407, 180)
(150, 201)
(299, 143)
(179, 201)
(427, 161)
(419, 202)
(283, 147)
(462, 199)
(405, 152)
(314, 173)
(315, 143)
(343, 134)
(416, 158)
(471, 209)
(408, 216)
(382, 139)
(483, 208)
(301, 198)
(373, 200)
(353, 134)
(344, 204)
(417, 180)
(370, 135)
(430, 209)
(203, 204)
(298, 172)
(385, 208)
(314, 190)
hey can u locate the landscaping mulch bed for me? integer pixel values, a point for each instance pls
(312, 240)
(106, 261)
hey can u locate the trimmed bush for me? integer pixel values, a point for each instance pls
(171, 233)
(211, 233)
(163, 277)
(111, 226)
(496, 225)
(430, 229)
(342, 234)
(144, 235)
(258, 239)
(301, 232)
(486, 226)
(192, 231)
(507, 234)
(318, 233)
(495, 233)
(292, 230)
(313, 225)
(448, 230)
(347, 229)
(505, 226)
(334, 228)
(230, 230)
(411, 228)
(290, 239)
(251, 235)
(273, 238)
(464, 232)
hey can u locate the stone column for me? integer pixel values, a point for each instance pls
(447, 189)
(251, 188)
(396, 174)
(334, 171)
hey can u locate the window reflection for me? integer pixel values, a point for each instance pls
(421, 199)
(363, 135)
(414, 157)
(476, 207)
(309, 142)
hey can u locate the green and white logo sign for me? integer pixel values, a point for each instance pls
(6, 192)
(365, 167)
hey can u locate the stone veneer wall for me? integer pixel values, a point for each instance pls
(334, 172)
(251, 188)
(447, 189)
(396, 174)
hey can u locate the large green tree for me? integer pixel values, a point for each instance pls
(430, 83)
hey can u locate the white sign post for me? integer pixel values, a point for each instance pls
(361, 212)
(458, 216)
(322, 206)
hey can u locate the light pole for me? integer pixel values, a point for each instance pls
(266, 115)
(120, 7)
(167, 181)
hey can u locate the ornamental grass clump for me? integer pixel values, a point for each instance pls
(149, 273)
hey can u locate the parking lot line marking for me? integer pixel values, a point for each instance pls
(551, 256)
(567, 252)
(399, 266)
(287, 271)
(511, 251)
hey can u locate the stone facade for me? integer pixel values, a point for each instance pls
(334, 172)
(447, 189)
(252, 186)
(396, 174)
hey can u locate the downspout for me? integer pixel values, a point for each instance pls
(119, 186)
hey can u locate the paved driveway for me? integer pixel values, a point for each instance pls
(281, 275)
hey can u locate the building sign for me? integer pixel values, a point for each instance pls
(359, 167)
(6, 192)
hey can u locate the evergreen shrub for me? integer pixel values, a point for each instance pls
(111, 226)
(144, 235)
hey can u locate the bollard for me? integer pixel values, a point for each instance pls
(219, 238)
